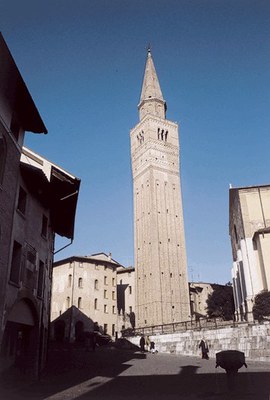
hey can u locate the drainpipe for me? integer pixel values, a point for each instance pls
(64, 247)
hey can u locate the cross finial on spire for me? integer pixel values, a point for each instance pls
(149, 49)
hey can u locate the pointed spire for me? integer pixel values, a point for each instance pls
(151, 101)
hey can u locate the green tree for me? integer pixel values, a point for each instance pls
(261, 307)
(220, 302)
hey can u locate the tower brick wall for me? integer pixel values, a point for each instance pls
(159, 242)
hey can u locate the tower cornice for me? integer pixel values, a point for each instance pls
(155, 119)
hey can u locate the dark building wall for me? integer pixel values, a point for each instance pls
(30, 288)
(8, 192)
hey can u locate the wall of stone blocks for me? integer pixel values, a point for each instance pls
(252, 339)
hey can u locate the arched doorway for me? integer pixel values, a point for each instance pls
(20, 338)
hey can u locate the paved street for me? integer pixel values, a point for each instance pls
(109, 373)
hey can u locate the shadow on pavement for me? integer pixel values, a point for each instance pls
(67, 367)
(77, 374)
(186, 385)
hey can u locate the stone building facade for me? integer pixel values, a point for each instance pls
(125, 297)
(30, 192)
(250, 240)
(90, 284)
(199, 292)
(159, 241)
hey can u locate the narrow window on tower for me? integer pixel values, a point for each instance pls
(166, 136)
(162, 134)
(140, 137)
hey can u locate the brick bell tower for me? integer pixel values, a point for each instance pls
(162, 294)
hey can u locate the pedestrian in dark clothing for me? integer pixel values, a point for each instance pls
(204, 348)
(142, 343)
(152, 348)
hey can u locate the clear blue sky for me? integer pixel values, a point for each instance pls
(83, 62)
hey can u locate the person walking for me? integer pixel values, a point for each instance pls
(152, 348)
(142, 344)
(204, 349)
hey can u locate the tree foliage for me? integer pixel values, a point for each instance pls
(220, 303)
(261, 307)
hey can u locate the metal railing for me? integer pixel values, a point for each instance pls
(202, 323)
